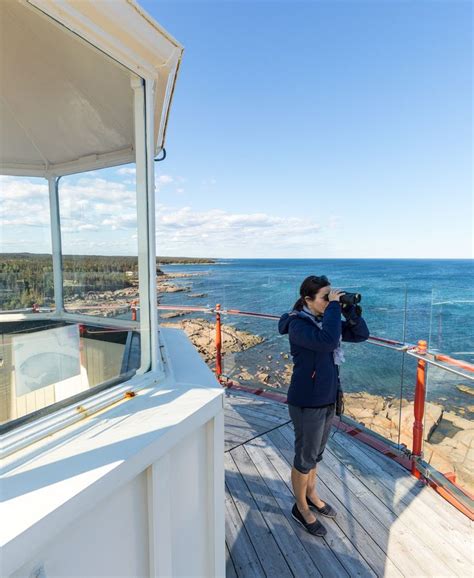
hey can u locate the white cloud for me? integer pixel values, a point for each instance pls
(97, 213)
(164, 179)
(127, 171)
(218, 232)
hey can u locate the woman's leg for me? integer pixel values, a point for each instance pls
(312, 476)
(311, 492)
(299, 479)
(299, 482)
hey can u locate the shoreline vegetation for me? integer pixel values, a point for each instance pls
(107, 286)
(26, 279)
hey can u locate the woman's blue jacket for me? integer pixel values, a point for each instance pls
(315, 378)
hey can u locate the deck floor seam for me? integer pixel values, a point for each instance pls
(257, 436)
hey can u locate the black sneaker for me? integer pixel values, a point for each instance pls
(316, 528)
(327, 510)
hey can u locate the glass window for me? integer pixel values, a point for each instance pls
(26, 264)
(52, 360)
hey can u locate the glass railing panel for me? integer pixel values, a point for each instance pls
(26, 263)
(448, 425)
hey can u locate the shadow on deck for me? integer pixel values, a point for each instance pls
(388, 524)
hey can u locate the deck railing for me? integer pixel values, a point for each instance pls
(411, 458)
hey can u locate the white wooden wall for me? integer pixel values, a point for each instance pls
(160, 523)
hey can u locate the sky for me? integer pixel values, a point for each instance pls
(318, 129)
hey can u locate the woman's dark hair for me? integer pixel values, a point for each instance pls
(309, 288)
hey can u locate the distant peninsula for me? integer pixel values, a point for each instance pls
(27, 278)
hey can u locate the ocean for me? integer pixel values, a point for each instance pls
(403, 300)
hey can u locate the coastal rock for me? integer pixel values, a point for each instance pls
(263, 377)
(450, 448)
(166, 288)
(363, 406)
(245, 375)
(433, 415)
(465, 389)
(202, 334)
(172, 314)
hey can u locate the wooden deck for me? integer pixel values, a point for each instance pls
(387, 524)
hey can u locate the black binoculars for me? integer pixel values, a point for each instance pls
(350, 298)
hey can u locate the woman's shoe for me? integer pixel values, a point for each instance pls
(327, 510)
(316, 528)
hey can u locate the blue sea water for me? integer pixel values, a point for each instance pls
(404, 300)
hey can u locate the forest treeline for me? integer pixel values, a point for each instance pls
(27, 279)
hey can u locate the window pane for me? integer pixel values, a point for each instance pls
(26, 264)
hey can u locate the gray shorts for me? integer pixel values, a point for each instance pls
(312, 427)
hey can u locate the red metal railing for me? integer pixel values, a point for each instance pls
(414, 460)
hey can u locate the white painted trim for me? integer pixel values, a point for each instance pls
(173, 421)
(30, 433)
(125, 324)
(81, 165)
(216, 494)
(53, 185)
(159, 517)
(139, 114)
(156, 364)
(100, 321)
(6, 317)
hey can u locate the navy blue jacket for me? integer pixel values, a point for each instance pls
(315, 378)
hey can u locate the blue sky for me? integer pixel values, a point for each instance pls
(312, 129)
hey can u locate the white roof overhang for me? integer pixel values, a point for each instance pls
(66, 72)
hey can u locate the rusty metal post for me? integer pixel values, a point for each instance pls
(218, 342)
(419, 407)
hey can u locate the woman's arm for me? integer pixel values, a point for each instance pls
(309, 336)
(354, 329)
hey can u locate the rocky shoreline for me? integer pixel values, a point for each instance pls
(448, 437)
(202, 334)
(448, 443)
(119, 302)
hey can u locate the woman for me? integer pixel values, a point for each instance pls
(315, 329)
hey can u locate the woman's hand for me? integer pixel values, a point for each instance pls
(335, 295)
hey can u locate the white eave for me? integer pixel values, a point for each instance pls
(78, 59)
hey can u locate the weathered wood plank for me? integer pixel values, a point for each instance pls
(237, 433)
(258, 425)
(402, 531)
(292, 549)
(317, 548)
(360, 526)
(272, 407)
(244, 557)
(391, 536)
(394, 525)
(229, 565)
(252, 419)
(408, 505)
(441, 509)
(351, 543)
(267, 549)
(248, 410)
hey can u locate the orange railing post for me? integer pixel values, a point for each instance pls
(419, 407)
(218, 342)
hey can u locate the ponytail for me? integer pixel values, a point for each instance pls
(298, 306)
